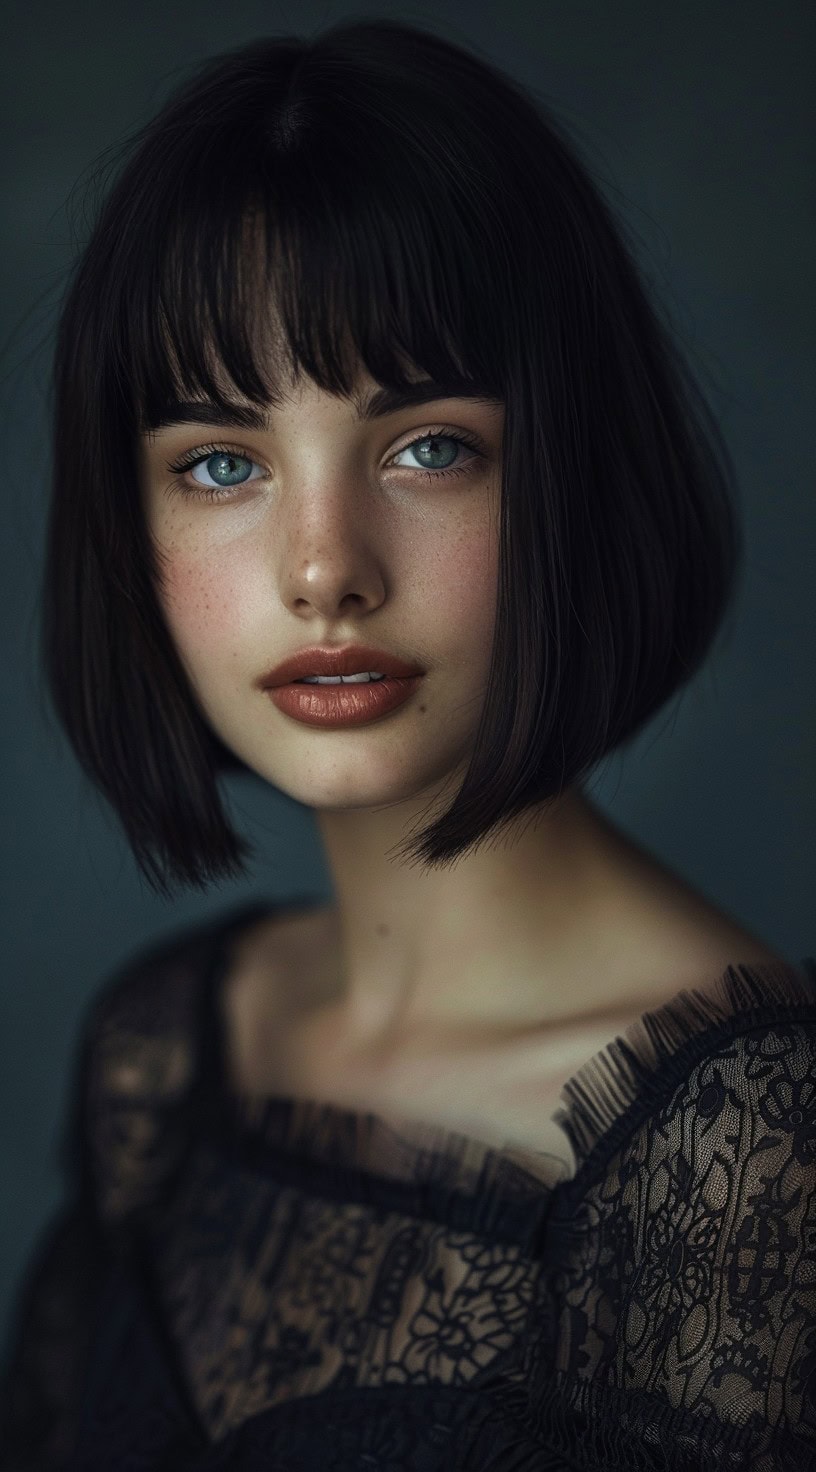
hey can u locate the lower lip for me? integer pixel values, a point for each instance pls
(343, 705)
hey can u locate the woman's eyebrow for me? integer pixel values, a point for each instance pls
(373, 405)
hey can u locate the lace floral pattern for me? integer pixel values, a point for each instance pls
(282, 1283)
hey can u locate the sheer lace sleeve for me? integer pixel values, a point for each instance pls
(53, 1313)
(121, 1138)
(689, 1307)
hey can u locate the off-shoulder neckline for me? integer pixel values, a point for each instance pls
(427, 1168)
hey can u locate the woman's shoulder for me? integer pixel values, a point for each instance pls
(138, 1058)
(140, 1019)
(154, 994)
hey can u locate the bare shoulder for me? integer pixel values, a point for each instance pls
(661, 931)
(689, 949)
(709, 940)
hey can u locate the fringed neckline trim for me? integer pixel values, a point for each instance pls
(640, 1067)
(422, 1168)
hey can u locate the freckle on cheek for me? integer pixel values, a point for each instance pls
(197, 599)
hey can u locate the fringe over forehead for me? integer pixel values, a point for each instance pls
(299, 223)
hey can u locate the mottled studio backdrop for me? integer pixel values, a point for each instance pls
(698, 118)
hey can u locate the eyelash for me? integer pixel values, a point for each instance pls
(220, 493)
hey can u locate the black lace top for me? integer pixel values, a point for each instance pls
(282, 1285)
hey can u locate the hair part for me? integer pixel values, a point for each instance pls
(378, 195)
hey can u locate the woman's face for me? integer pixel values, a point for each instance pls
(329, 529)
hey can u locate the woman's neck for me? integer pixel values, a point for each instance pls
(531, 932)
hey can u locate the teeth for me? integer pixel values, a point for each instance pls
(362, 679)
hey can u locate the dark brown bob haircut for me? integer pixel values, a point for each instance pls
(417, 210)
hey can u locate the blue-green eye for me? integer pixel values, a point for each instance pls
(230, 468)
(227, 467)
(428, 451)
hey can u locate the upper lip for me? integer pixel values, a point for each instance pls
(352, 660)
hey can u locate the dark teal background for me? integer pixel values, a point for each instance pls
(698, 119)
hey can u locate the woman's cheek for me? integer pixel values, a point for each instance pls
(203, 602)
(470, 588)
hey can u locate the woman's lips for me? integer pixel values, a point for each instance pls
(343, 705)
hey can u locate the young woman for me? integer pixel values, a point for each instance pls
(377, 476)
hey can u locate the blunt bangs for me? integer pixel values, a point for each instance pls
(379, 196)
(317, 271)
